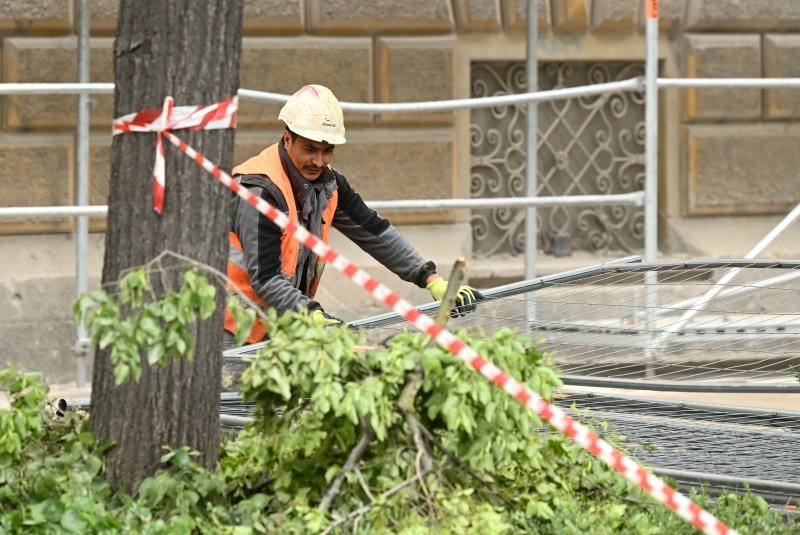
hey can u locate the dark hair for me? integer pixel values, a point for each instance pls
(294, 136)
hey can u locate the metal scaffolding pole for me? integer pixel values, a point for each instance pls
(532, 165)
(82, 189)
(651, 170)
(532, 182)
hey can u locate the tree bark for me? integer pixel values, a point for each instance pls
(190, 50)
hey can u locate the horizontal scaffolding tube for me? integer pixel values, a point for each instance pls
(632, 84)
(57, 89)
(635, 198)
(25, 212)
(664, 83)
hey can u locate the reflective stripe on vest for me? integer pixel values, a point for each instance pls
(268, 163)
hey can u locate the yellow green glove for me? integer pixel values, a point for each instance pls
(320, 318)
(466, 298)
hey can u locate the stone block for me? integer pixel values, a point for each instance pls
(273, 17)
(571, 16)
(614, 15)
(35, 16)
(415, 70)
(37, 327)
(515, 14)
(477, 15)
(103, 16)
(749, 15)
(385, 164)
(44, 59)
(36, 170)
(742, 169)
(721, 56)
(356, 17)
(401, 164)
(284, 65)
(782, 60)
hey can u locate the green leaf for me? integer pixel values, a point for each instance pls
(121, 373)
(156, 353)
(72, 522)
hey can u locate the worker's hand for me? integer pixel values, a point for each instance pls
(320, 318)
(466, 298)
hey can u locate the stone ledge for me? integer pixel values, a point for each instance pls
(728, 237)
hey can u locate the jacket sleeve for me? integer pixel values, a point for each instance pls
(377, 237)
(261, 245)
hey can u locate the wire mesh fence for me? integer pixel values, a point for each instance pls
(608, 326)
(735, 443)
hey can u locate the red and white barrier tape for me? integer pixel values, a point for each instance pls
(214, 117)
(601, 449)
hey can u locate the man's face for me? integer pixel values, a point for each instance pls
(310, 157)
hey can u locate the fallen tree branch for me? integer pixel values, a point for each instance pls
(463, 466)
(365, 508)
(258, 487)
(406, 403)
(350, 464)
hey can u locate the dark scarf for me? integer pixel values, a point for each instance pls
(312, 200)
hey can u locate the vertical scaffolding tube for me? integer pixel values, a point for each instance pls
(651, 174)
(82, 187)
(532, 165)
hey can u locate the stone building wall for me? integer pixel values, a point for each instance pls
(724, 153)
(419, 50)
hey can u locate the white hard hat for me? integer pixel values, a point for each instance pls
(314, 112)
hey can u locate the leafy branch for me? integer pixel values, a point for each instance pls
(139, 324)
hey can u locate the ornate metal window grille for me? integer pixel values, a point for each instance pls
(587, 146)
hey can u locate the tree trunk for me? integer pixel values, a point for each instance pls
(191, 51)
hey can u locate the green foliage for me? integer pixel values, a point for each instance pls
(135, 326)
(480, 462)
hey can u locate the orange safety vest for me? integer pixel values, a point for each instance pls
(268, 163)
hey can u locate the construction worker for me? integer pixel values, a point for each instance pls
(295, 175)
